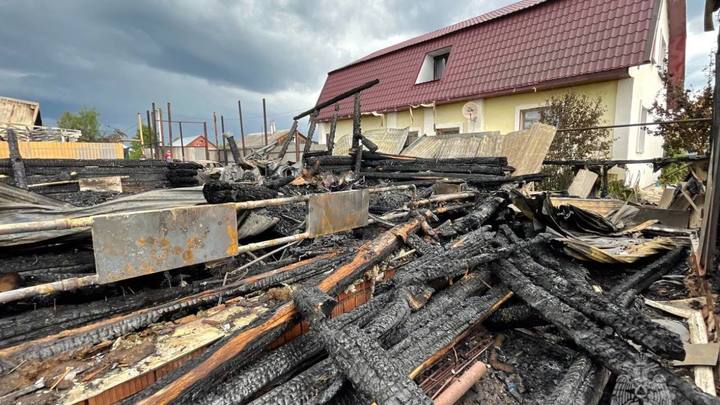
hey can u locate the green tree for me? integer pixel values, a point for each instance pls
(135, 146)
(572, 111)
(86, 120)
(683, 138)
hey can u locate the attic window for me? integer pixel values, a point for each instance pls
(433, 66)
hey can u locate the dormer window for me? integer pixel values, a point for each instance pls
(434, 65)
(439, 63)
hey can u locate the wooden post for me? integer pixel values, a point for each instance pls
(284, 147)
(222, 134)
(242, 129)
(311, 133)
(297, 146)
(234, 149)
(161, 135)
(150, 128)
(170, 137)
(207, 150)
(182, 142)
(357, 134)
(265, 121)
(217, 141)
(140, 132)
(330, 139)
(16, 160)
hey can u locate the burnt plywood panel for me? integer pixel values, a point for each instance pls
(582, 184)
(526, 150)
(13, 111)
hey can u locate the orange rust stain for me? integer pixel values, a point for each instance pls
(187, 256)
(177, 250)
(233, 246)
(164, 243)
(141, 242)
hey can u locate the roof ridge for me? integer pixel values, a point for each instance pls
(440, 32)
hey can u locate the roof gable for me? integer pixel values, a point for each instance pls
(527, 44)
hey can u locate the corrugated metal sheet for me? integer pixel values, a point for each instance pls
(13, 111)
(534, 44)
(454, 146)
(525, 150)
(65, 150)
(388, 140)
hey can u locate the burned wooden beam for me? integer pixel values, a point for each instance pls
(112, 328)
(217, 361)
(613, 352)
(280, 363)
(629, 324)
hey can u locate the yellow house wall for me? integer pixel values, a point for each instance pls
(367, 122)
(497, 113)
(500, 112)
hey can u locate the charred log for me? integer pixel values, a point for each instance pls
(613, 352)
(629, 324)
(218, 192)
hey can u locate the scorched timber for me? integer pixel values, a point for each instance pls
(216, 363)
(631, 325)
(286, 359)
(359, 356)
(601, 344)
(109, 329)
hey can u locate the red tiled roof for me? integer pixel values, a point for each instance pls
(515, 48)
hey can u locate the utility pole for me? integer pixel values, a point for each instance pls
(265, 122)
(170, 137)
(242, 129)
(140, 132)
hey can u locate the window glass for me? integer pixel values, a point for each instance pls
(439, 63)
(529, 117)
(448, 131)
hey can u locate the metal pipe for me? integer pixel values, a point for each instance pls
(182, 141)
(161, 134)
(443, 197)
(140, 131)
(265, 121)
(217, 141)
(68, 284)
(639, 124)
(207, 150)
(170, 140)
(222, 132)
(242, 129)
(461, 384)
(84, 222)
(337, 98)
(250, 247)
(151, 134)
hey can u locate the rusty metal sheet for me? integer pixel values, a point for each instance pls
(335, 212)
(140, 243)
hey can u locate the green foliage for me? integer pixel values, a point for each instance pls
(135, 147)
(569, 111)
(86, 120)
(618, 190)
(683, 138)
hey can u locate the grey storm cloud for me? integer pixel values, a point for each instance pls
(203, 56)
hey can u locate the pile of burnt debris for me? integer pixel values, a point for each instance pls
(461, 288)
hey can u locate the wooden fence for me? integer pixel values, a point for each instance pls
(65, 150)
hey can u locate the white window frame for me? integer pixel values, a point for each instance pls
(519, 109)
(427, 69)
(450, 125)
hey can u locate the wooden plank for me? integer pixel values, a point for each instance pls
(582, 184)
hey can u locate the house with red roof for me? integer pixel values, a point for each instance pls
(495, 71)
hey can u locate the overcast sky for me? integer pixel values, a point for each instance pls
(203, 56)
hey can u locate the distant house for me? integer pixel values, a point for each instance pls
(494, 72)
(256, 140)
(197, 141)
